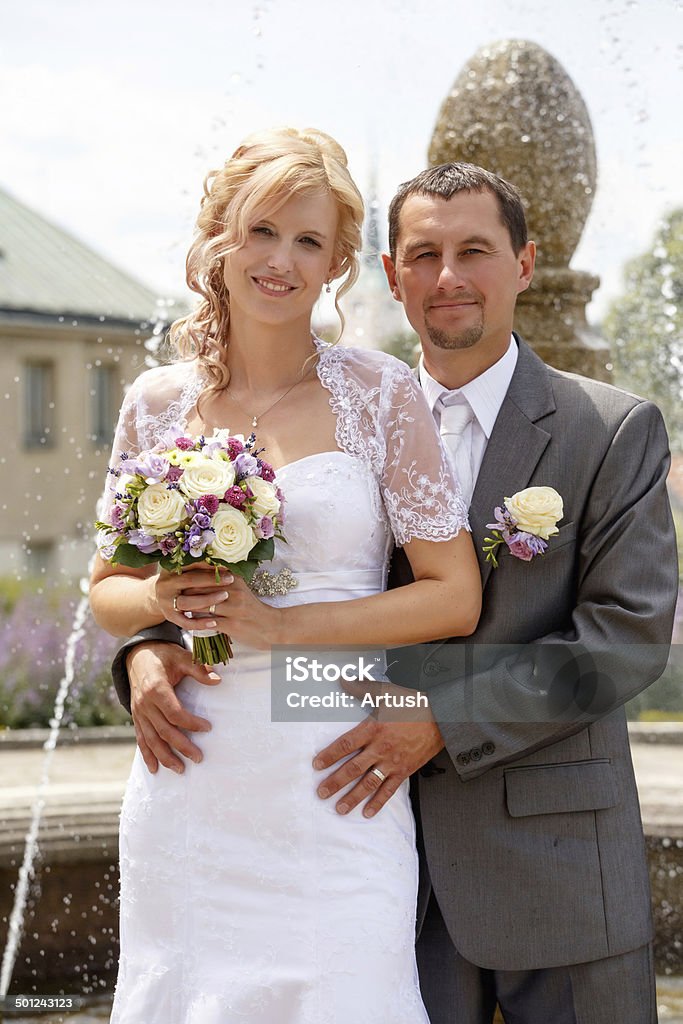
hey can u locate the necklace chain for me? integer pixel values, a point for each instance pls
(259, 416)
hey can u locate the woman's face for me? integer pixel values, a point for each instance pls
(277, 275)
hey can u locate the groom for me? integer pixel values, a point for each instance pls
(535, 891)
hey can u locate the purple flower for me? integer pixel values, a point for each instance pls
(281, 516)
(186, 444)
(264, 528)
(267, 471)
(174, 474)
(167, 438)
(235, 496)
(106, 546)
(168, 544)
(117, 517)
(201, 520)
(210, 503)
(504, 520)
(245, 465)
(525, 545)
(153, 468)
(197, 541)
(143, 542)
(234, 448)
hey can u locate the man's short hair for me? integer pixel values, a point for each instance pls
(447, 179)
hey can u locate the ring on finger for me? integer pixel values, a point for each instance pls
(379, 773)
(175, 604)
(212, 609)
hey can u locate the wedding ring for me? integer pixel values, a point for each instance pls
(175, 604)
(380, 774)
(212, 609)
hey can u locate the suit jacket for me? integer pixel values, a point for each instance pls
(530, 823)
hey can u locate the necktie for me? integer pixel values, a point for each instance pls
(456, 415)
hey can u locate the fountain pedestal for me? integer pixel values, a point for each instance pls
(514, 110)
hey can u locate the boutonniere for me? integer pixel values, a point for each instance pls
(525, 523)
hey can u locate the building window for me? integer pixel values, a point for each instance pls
(39, 558)
(103, 403)
(39, 405)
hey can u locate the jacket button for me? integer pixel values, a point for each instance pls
(432, 668)
(488, 747)
(463, 758)
(475, 753)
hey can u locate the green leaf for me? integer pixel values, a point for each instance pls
(263, 551)
(128, 554)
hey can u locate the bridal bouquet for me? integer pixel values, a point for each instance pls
(189, 500)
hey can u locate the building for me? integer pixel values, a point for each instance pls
(74, 331)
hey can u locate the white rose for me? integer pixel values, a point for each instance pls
(537, 510)
(122, 482)
(160, 510)
(234, 537)
(266, 501)
(207, 476)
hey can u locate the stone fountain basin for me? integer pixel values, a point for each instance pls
(70, 940)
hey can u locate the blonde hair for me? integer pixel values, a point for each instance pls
(262, 174)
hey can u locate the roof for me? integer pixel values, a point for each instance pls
(45, 270)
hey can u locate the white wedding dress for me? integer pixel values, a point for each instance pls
(244, 896)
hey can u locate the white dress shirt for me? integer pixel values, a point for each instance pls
(485, 395)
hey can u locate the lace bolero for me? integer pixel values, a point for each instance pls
(383, 421)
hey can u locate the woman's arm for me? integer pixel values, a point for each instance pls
(444, 601)
(125, 600)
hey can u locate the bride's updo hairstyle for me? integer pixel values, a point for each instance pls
(262, 174)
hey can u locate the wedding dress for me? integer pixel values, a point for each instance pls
(244, 896)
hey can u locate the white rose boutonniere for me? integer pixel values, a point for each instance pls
(526, 522)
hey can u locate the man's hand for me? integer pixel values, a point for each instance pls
(154, 669)
(395, 740)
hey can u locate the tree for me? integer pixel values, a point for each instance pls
(645, 325)
(404, 345)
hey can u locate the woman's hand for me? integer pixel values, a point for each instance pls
(246, 619)
(229, 607)
(194, 590)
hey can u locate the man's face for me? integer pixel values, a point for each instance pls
(456, 273)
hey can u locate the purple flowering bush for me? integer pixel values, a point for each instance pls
(35, 625)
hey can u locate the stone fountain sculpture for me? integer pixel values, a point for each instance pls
(515, 110)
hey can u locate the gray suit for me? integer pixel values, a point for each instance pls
(529, 818)
(532, 842)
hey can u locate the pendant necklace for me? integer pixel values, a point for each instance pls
(256, 417)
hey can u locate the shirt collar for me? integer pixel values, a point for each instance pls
(485, 393)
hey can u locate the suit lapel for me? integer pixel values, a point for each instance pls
(515, 446)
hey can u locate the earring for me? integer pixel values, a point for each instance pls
(328, 287)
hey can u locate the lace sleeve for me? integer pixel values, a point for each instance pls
(126, 442)
(157, 401)
(384, 421)
(420, 492)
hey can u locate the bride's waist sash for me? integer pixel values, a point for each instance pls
(355, 582)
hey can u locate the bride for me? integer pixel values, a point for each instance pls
(244, 897)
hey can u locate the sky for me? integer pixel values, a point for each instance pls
(112, 113)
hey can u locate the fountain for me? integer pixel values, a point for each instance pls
(515, 110)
